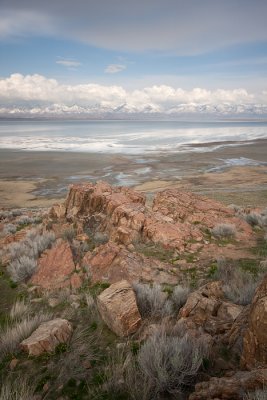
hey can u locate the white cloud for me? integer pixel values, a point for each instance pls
(69, 63)
(114, 68)
(38, 95)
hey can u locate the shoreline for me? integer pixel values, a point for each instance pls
(40, 178)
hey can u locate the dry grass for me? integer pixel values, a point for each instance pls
(257, 395)
(179, 297)
(151, 301)
(239, 285)
(17, 330)
(18, 389)
(19, 309)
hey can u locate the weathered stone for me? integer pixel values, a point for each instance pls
(255, 338)
(86, 199)
(111, 262)
(57, 211)
(207, 309)
(203, 303)
(118, 308)
(47, 336)
(54, 267)
(229, 311)
(230, 388)
(198, 210)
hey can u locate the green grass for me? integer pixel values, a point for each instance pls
(261, 249)
(250, 265)
(212, 270)
(98, 288)
(156, 251)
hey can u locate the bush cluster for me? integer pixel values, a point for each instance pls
(24, 254)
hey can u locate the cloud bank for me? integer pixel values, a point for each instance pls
(185, 27)
(36, 96)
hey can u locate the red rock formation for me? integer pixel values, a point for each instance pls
(86, 199)
(195, 209)
(255, 338)
(111, 262)
(54, 267)
(232, 387)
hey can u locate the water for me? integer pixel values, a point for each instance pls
(126, 137)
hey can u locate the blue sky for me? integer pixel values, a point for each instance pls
(213, 45)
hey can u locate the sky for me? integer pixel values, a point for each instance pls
(128, 58)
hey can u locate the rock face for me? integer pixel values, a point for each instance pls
(55, 267)
(47, 336)
(118, 308)
(230, 388)
(255, 337)
(198, 210)
(112, 262)
(176, 220)
(88, 199)
(57, 211)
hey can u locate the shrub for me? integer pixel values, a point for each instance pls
(69, 234)
(179, 296)
(171, 362)
(22, 268)
(224, 231)
(9, 228)
(151, 301)
(5, 214)
(254, 219)
(25, 253)
(100, 238)
(239, 285)
(24, 220)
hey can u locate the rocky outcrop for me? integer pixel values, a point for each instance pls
(47, 336)
(177, 219)
(88, 199)
(255, 338)
(197, 210)
(118, 308)
(57, 211)
(55, 267)
(206, 308)
(112, 262)
(232, 387)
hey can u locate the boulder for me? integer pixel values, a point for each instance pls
(54, 267)
(232, 387)
(118, 308)
(47, 336)
(255, 337)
